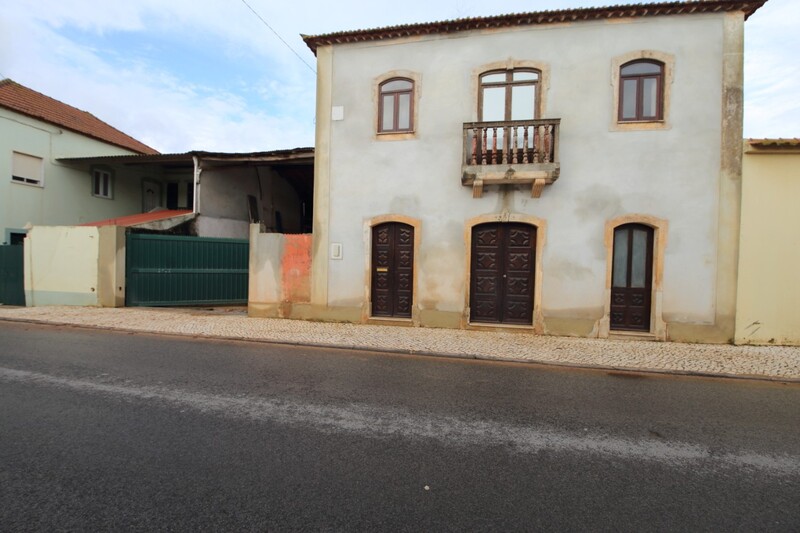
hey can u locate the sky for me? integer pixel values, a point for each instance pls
(184, 75)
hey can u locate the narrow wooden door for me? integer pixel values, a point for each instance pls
(632, 278)
(392, 270)
(502, 273)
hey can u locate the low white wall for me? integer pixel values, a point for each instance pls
(61, 265)
(280, 274)
(266, 251)
(75, 265)
(224, 228)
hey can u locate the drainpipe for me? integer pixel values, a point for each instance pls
(197, 171)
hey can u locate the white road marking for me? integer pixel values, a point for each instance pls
(385, 421)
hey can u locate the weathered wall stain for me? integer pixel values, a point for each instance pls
(296, 269)
(563, 269)
(598, 201)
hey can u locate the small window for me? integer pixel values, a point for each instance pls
(641, 91)
(26, 169)
(395, 113)
(102, 183)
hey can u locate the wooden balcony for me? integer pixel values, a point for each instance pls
(513, 152)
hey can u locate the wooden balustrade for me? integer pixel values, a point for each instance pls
(515, 152)
(511, 143)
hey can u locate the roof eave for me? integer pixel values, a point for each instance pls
(153, 151)
(274, 156)
(748, 7)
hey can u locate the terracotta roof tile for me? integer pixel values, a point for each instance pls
(28, 102)
(788, 145)
(748, 7)
(141, 218)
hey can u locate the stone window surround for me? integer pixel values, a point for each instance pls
(510, 64)
(658, 328)
(668, 60)
(416, 79)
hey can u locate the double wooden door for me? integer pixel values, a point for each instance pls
(502, 273)
(632, 278)
(392, 270)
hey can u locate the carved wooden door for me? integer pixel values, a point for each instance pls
(502, 273)
(392, 270)
(632, 277)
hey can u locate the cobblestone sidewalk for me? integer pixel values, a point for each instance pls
(771, 362)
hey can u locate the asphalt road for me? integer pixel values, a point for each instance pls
(113, 431)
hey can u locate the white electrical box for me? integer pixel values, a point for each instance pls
(336, 250)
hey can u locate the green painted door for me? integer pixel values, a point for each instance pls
(12, 284)
(168, 270)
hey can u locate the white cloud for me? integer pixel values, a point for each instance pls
(772, 72)
(59, 47)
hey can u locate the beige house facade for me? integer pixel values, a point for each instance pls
(569, 172)
(768, 310)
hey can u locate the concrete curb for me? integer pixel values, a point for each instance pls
(396, 351)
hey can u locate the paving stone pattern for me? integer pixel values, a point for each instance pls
(774, 362)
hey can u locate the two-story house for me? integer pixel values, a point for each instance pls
(35, 132)
(571, 172)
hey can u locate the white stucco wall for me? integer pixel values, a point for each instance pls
(224, 207)
(671, 173)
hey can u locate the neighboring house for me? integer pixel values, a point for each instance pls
(768, 310)
(36, 131)
(67, 168)
(573, 172)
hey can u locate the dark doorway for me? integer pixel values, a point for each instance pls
(172, 195)
(16, 238)
(12, 274)
(632, 277)
(392, 270)
(502, 273)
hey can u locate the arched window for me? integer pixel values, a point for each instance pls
(509, 95)
(396, 106)
(641, 91)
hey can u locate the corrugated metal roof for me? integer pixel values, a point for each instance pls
(748, 7)
(141, 218)
(28, 102)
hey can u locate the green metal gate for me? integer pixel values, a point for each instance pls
(12, 281)
(168, 270)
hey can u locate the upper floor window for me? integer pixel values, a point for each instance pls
(396, 106)
(27, 169)
(641, 91)
(508, 95)
(102, 183)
